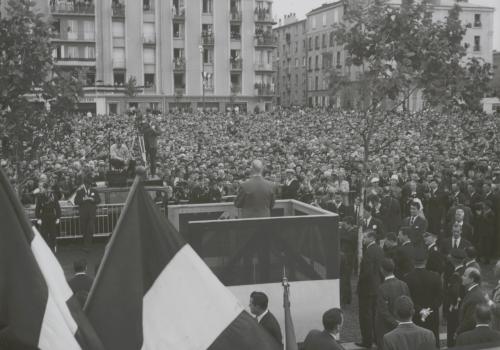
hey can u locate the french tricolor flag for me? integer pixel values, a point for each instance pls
(152, 291)
(37, 307)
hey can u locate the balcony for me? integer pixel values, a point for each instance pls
(118, 10)
(236, 63)
(72, 8)
(179, 90)
(235, 36)
(264, 89)
(207, 39)
(264, 16)
(75, 61)
(179, 14)
(263, 67)
(179, 64)
(236, 16)
(265, 41)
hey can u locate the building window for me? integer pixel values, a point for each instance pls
(317, 62)
(118, 29)
(148, 30)
(178, 53)
(149, 56)
(316, 42)
(149, 80)
(179, 81)
(296, 62)
(72, 52)
(323, 41)
(316, 83)
(310, 43)
(90, 78)
(477, 20)
(310, 62)
(178, 30)
(118, 57)
(90, 52)
(208, 56)
(332, 39)
(324, 19)
(235, 32)
(72, 30)
(296, 46)
(113, 108)
(146, 5)
(207, 6)
(313, 19)
(88, 30)
(119, 77)
(477, 43)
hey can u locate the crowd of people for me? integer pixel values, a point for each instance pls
(435, 188)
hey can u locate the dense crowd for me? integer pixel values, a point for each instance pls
(436, 184)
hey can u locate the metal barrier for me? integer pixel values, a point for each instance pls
(106, 218)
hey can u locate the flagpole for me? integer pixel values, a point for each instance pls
(290, 340)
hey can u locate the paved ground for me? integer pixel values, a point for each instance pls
(71, 251)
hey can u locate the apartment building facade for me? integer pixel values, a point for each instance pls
(183, 54)
(325, 59)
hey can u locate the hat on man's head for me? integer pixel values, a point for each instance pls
(375, 179)
(290, 171)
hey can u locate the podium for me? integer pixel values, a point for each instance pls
(251, 254)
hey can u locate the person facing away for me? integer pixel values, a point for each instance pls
(259, 308)
(80, 283)
(327, 339)
(256, 195)
(482, 332)
(407, 335)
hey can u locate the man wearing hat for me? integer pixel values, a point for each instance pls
(426, 291)
(291, 186)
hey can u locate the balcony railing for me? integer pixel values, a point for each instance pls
(236, 16)
(179, 14)
(264, 89)
(236, 89)
(263, 15)
(207, 39)
(69, 7)
(265, 40)
(149, 39)
(179, 64)
(118, 10)
(235, 36)
(236, 63)
(179, 91)
(264, 67)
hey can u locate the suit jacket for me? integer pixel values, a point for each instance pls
(390, 213)
(467, 231)
(87, 204)
(375, 225)
(255, 198)
(479, 335)
(418, 227)
(426, 291)
(467, 308)
(435, 260)
(447, 243)
(320, 340)
(404, 260)
(435, 209)
(369, 273)
(387, 294)
(271, 325)
(409, 337)
(80, 285)
(290, 191)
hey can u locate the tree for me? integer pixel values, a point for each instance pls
(392, 53)
(28, 79)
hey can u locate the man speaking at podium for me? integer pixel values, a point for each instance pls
(256, 195)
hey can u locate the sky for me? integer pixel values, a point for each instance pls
(301, 7)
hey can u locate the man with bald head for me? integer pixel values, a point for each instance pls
(256, 195)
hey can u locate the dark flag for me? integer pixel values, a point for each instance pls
(153, 291)
(37, 307)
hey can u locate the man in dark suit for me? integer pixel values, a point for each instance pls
(417, 223)
(482, 333)
(404, 255)
(407, 335)
(474, 295)
(256, 195)
(435, 259)
(87, 199)
(338, 207)
(426, 291)
(258, 307)
(371, 223)
(328, 338)
(456, 241)
(390, 211)
(452, 292)
(435, 206)
(81, 283)
(387, 294)
(466, 228)
(291, 186)
(368, 283)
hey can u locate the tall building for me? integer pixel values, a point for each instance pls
(325, 58)
(182, 53)
(291, 60)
